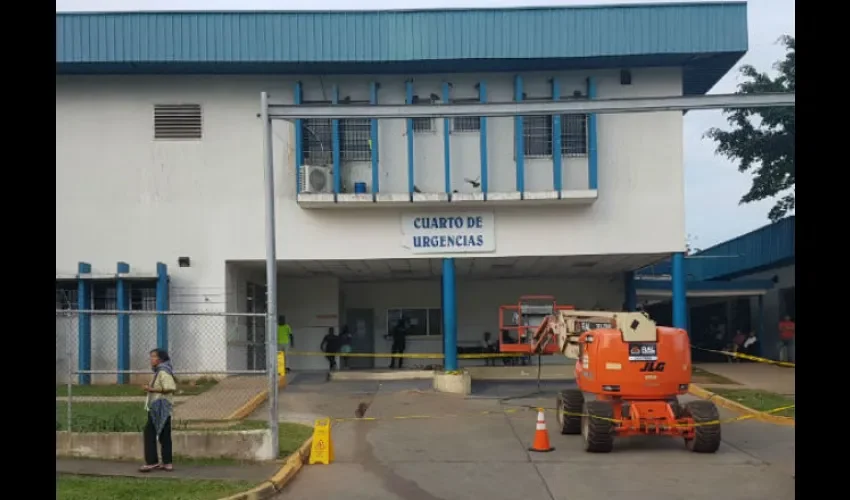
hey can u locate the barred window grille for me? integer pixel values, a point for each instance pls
(537, 132)
(467, 124)
(423, 125)
(354, 140)
(177, 121)
(142, 296)
(356, 137)
(574, 135)
(66, 296)
(105, 297)
(317, 141)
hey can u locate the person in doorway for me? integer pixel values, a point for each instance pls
(399, 338)
(345, 340)
(159, 407)
(738, 344)
(330, 346)
(787, 331)
(489, 346)
(285, 339)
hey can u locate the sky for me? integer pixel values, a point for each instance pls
(713, 185)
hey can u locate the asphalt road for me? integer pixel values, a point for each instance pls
(476, 447)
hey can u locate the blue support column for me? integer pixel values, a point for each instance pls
(299, 139)
(592, 151)
(631, 292)
(162, 304)
(557, 157)
(373, 142)
(519, 137)
(482, 97)
(680, 293)
(447, 152)
(408, 99)
(123, 296)
(84, 322)
(335, 143)
(449, 314)
(760, 332)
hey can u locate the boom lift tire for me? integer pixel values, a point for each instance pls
(597, 426)
(677, 408)
(570, 401)
(707, 431)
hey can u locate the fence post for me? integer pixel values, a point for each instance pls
(69, 352)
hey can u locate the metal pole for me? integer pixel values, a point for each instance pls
(69, 352)
(271, 271)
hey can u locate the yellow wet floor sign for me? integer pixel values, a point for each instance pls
(322, 449)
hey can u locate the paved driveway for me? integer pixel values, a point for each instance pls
(481, 452)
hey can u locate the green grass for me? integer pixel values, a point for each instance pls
(70, 487)
(189, 388)
(758, 400)
(700, 376)
(131, 417)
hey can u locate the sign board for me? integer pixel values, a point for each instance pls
(449, 232)
(321, 450)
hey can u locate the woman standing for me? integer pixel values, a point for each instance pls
(159, 405)
(345, 340)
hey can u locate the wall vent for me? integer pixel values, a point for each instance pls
(177, 121)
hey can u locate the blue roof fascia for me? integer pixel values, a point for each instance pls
(707, 39)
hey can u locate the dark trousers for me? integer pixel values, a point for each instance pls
(164, 441)
(397, 349)
(332, 361)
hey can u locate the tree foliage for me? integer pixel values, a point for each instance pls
(762, 139)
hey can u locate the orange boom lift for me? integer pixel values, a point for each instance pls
(629, 374)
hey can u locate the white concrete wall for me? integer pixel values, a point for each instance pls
(123, 196)
(772, 307)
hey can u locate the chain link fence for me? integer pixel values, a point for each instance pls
(103, 362)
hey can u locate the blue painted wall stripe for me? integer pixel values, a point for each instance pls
(520, 140)
(679, 291)
(408, 99)
(449, 314)
(592, 150)
(299, 138)
(162, 304)
(373, 145)
(84, 324)
(557, 157)
(482, 97)
(335, 142)
(447, 152)
(122, 293)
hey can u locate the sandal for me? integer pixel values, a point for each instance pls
(148, 468)
(167, 467)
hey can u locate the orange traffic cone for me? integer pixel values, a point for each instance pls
(541, 435)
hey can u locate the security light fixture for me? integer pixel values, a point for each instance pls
(184, 262)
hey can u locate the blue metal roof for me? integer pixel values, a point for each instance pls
(765, 248)
(706, 38)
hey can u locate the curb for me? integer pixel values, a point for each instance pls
(281, 478)
(738, 407)
(254, 403)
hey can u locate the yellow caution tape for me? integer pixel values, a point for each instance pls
(518, 408)
(748, 357)
(408, 356)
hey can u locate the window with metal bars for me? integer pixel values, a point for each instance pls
(466, 123)
(354, 140)
(423, 125)
(66, 295)
(537, 132)
(177, 121)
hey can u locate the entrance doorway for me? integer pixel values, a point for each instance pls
(361, 324)
(256, 338)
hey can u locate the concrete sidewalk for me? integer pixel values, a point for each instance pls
(247, 472)
(778, 379)
(223, 400)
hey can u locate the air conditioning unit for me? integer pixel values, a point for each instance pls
(316, 179)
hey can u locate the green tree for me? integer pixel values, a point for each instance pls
(762, 139)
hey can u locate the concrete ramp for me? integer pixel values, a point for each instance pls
(230, 396)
